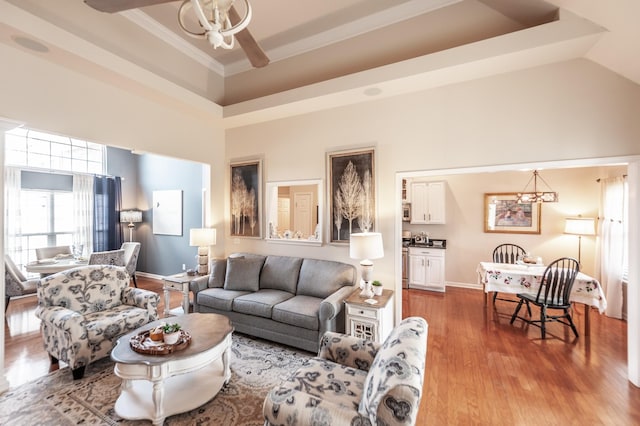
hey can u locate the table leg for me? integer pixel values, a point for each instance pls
(226, 366)
(166, 300)
(158, 396)
(185, 298)
(587, 320)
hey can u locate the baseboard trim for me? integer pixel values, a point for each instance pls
(474, 286)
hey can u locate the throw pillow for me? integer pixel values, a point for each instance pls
(243, 274)
(217, 273)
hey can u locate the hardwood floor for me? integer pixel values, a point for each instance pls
(479, 370)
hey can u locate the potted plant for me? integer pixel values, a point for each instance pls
(171, 333)
(377, 288)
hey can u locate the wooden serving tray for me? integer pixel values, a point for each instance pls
(143, 344)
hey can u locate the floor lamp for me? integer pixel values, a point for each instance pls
(580, 226)
(133, 217)
(366, 246)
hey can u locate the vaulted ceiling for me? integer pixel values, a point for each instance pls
(324, 53)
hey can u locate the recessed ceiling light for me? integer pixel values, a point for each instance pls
(372, 91)
(30, 44)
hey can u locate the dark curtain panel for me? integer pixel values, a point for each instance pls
(107, 232)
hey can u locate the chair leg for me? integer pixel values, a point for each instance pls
(515, 313)
(7, 299)
(78, 373)
(543, 320)
(54, 360)
(495, 295)
(571, 324)
(135, 283)
(529, 309)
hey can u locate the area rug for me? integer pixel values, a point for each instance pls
(56, 399)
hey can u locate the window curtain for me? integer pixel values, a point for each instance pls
(107, 200)
(83, 211)
(12, 226)
(611, 245)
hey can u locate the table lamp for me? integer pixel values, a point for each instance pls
(202, 238)
(366, 246)
(580, 226)
(131, 216)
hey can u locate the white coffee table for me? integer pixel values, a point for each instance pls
(157, 386)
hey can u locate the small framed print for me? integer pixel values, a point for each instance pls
(246, 199)
(503, 214)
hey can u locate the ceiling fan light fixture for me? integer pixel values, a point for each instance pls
(217, 28)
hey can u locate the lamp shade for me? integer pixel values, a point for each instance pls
(366, 245)
(580, 226)
(202, 237)
(131, 216)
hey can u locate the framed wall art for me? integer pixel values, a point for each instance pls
(167, 212)
(352, 193)
(503, 214)
(246, 199)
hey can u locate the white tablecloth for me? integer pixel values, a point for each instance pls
(508, 278)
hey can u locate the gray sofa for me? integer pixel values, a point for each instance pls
(289, 300)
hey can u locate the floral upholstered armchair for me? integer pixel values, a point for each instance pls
(355, 382)
(84, 310)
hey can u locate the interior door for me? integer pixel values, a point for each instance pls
(302, 214)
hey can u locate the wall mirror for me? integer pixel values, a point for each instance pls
(294, 211)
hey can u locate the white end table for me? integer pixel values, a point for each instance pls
(177, 282)
(369, 321)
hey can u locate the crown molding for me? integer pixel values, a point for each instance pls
(165, 34)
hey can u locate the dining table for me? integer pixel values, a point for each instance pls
(55, 264)
(525, 278)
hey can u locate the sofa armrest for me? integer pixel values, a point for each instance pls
(199, 284)
(60, 317)
(331, 306)
(348, 350)
(142, 298)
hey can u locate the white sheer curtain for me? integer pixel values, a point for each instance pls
(12, 227)
(83, 211)
(612, 245)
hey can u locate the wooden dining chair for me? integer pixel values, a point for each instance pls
(506, 253)
(553, 294)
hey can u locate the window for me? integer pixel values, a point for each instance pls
(32, 149)
(47, 220)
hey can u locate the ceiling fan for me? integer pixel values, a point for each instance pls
(219, 22)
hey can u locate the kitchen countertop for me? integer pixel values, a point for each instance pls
(430, 244)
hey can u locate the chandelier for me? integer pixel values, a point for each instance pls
(536, 196)
(215, 18)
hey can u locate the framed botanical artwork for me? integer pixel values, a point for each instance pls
(504, 215)
(352, 193)
(246, 199)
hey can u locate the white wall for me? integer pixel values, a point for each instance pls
(570, 110)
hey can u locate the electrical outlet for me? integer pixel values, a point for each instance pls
(184, 267)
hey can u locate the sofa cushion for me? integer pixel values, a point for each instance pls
(301, 311)
(320, 278)
(280, 273)
(393, 387)
(217, 273)
(243, 273)
(319, 393)
(260, 303)
(218, 298)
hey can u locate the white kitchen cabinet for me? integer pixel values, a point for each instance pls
(427, 203)
(426, 268)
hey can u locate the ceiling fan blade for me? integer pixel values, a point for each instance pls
(113, 6)
(254, 52)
